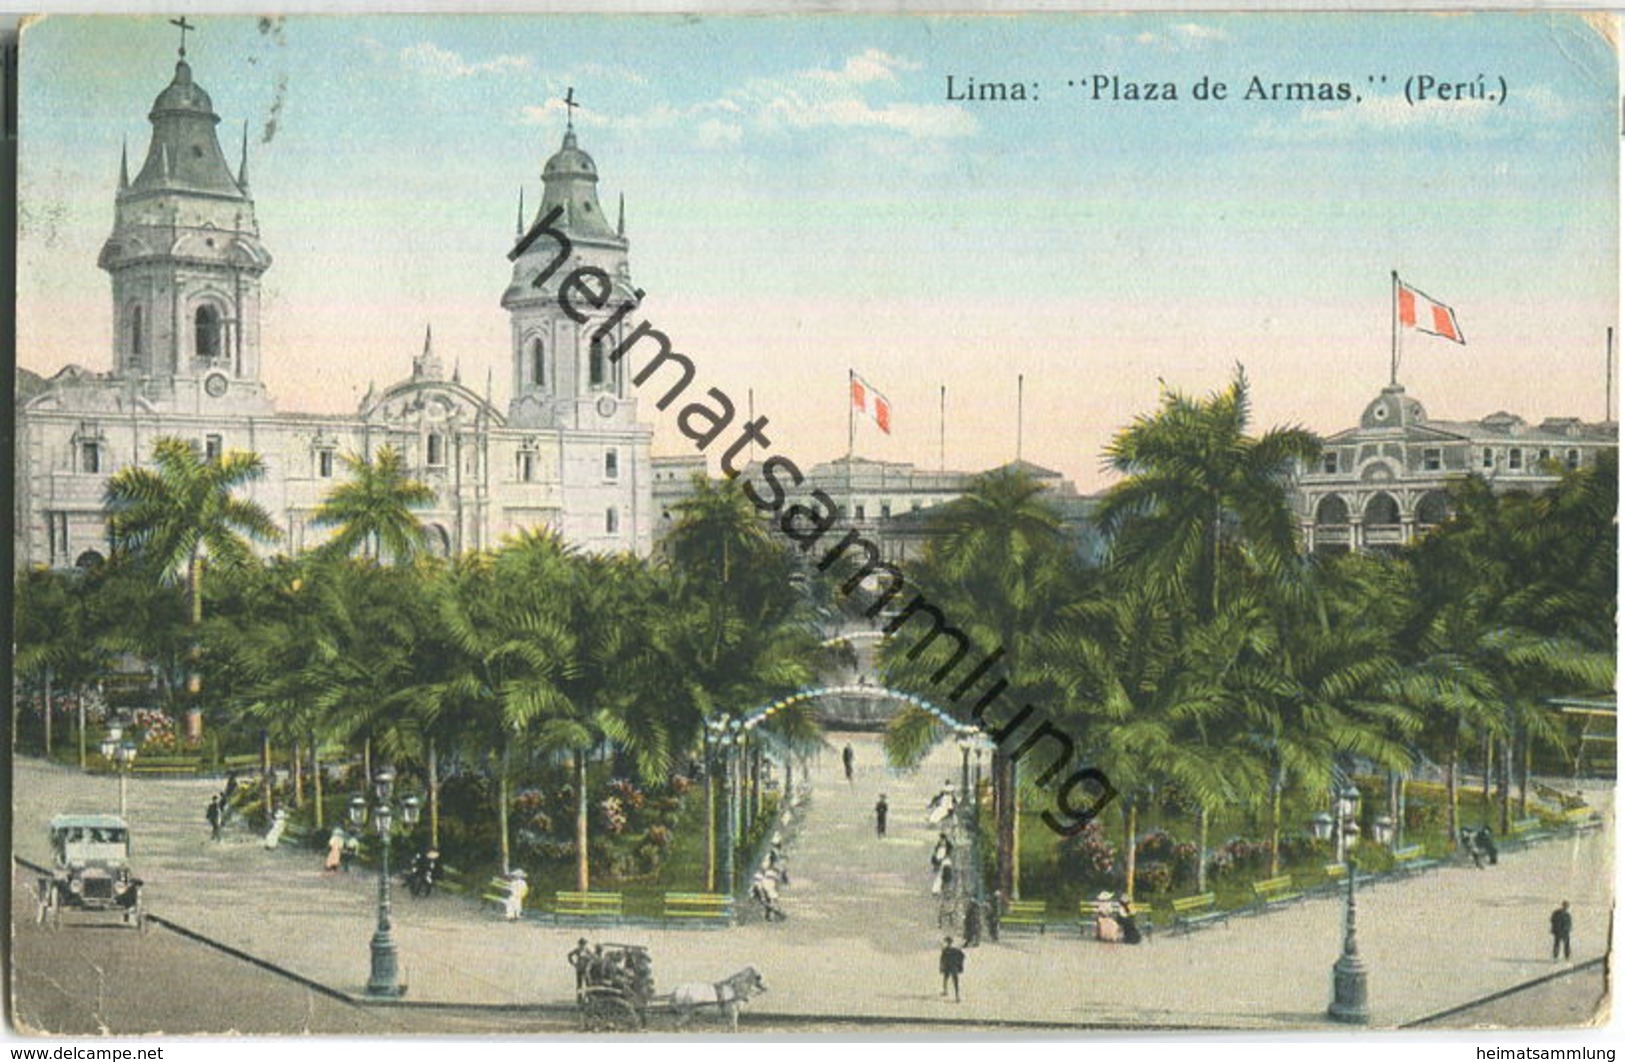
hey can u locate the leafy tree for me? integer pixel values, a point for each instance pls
(373, 510)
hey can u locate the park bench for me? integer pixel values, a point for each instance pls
(588, 906)
(1525, 832)
(1089, 910)
(1412, 860)
(1023, 915)
(1578, 820)
(699, 908)
(1272, 891)
(166, 765)
(1194, 912)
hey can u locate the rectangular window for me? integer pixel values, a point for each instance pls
(1328, 464)
(1515, 458)
(885, 510)
(324, 464)
(858, 512)
(1545, 454)
(612, 520)
(436, 450)
(612, 464)
(1432, 459)
(1573, 460)
(90, 457)
(213, 447)
(58, 523)
(527, 466)
(1489, 457)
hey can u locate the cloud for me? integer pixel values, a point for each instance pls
(814, 98)
(871, 64)
(1182, 37)
(430, 60)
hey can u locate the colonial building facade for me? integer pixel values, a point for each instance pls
(186, 259)
(1381, 484)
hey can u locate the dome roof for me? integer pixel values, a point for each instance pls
(570, 161)
(183, 95)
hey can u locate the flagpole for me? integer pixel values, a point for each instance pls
(1021, 380)
(1393, 357)
(1608, 380)
(851, 437)
(942, 431)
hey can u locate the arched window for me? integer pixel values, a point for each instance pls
(1433, 509)
(138, 338)
(595, 365)
(1382, 510)
(206, 332)
(538, 364)
(1332, 511)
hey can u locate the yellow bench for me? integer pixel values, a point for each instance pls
(705, 908)
(1193, 912)
(592, 906)
(1276, 890)
(1023, 914)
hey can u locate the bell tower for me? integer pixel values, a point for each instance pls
(185, 259)
(562, 376)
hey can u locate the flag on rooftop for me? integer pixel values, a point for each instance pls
(871, 402)
(1425, 314)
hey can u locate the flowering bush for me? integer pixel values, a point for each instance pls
(630, 796)
(1153, 877)
(613, 814)
(1090, 858)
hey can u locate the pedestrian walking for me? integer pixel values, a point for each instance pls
(973, 923)
(1562, 925)
(995, 912)
(279, 824)
(335, 851)
(1486, 844)
(944, 850)
(846, 761)
(213, 815)
(1470, 846)
(513, 902)
(951, 964)
(880, 816)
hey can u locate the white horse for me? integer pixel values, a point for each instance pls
(728, 996)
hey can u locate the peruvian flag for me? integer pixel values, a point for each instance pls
(1418, 311)
(871, 402)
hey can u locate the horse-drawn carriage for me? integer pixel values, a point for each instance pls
(617, 991)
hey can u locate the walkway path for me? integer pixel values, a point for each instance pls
(861, 936)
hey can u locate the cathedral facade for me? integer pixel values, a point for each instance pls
(185, 260)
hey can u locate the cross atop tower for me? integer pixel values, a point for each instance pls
(570, 106)
(185, 28)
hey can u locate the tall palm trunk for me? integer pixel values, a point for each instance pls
(434, 795)
(1504, 786)
(48, 693)
(79, 703)
(316, 778)
(267, 791)
(710, 828)
(1275, 821)
(582, 868)
(1004, 826)
(297, 761)
(1201, 849)
(1488, 749)
(1452, 825)
(1131, 816)
(1523, 776)
(502, 808)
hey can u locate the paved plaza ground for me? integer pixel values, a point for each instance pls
(861, 938)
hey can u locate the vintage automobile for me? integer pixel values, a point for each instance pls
(91, 870)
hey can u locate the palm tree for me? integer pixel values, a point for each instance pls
(373, 509)
(999, 565)
(1201, 494)
(175, 515)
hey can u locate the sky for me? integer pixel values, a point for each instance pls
(804, 197)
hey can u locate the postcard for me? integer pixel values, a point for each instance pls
(822, 525)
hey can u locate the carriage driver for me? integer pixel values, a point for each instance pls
(579, 960)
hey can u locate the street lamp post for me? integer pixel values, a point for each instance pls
(1346, 805)
(385, 981)
(1348, 973)
(122, 754)
(965, 740)
(731, 742)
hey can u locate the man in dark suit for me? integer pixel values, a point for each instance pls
(1562, 925)
(880, 816)
(951, 964)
